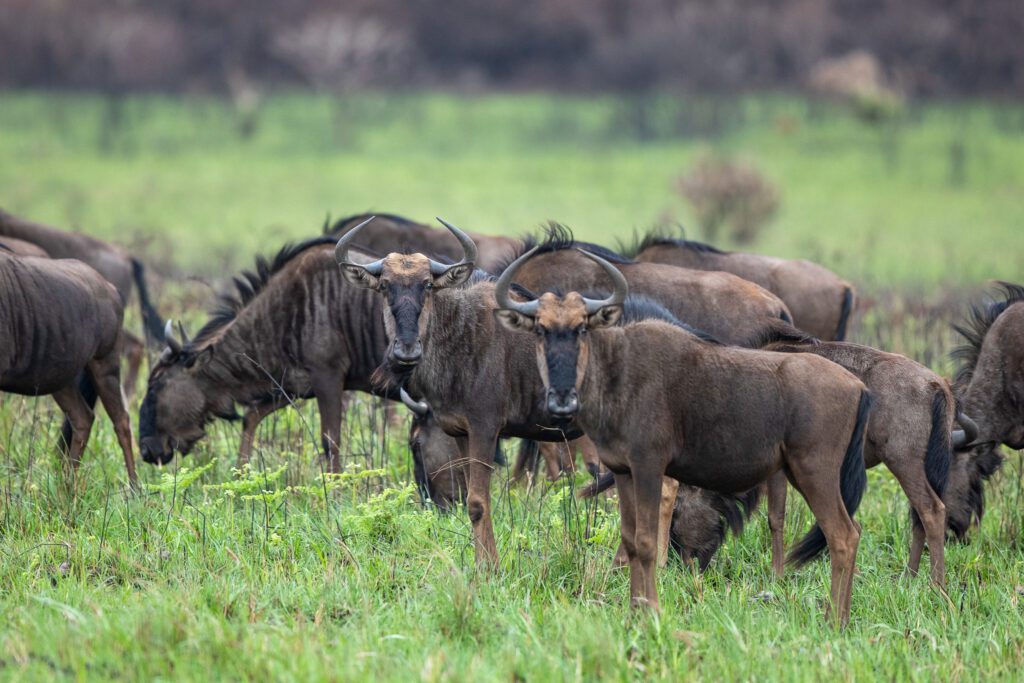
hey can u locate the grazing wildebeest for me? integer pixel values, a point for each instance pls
(820, 301)
(60, 322)
(990, 385)
(112, 262)
(480, 380)
(393, 233)
(910, 430)
(296, 330)
(658, 400)
(723, 305)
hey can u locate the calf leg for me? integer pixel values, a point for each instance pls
(105, 373)
(932, 515)
(254, 415)
(820, 488)
(478, 450)
(627, 523)
(777, 489)
(669, 489)
(80, 416)
(647, 489)
(133, 349)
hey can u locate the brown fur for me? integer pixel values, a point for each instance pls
(898, 434)
(813, 294)
(737, 416)
(299, 330)
(61, 319)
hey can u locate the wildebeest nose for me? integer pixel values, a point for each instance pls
(407, 353)
(563, 402)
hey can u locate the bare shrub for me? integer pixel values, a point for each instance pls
(730, 196)
(858, 80)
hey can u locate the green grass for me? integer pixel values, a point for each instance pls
(282, 579)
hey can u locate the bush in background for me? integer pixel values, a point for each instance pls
(729, 196)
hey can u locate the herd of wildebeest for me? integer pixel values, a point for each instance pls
(693, 380)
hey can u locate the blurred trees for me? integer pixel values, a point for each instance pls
(954, 47)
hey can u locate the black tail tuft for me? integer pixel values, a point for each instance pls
(844, 313)
(853, 480)
(599, 485)
(939, 455)
(150, 318)
(88, 391)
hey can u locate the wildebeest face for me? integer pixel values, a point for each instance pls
(560, 325)
(176, 408)
(408, 283)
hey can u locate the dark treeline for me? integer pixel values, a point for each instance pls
(927, 47)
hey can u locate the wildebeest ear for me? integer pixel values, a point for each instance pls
(199, 357)
(513, 320)
(455, 275)
(359, 277)
(605, 317)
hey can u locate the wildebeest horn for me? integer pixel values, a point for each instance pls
(621, 286)
(967, 435)
(173, 344)
(468, 249)
(185, 339)
(341, 251)
(418, 407)
(528, 309)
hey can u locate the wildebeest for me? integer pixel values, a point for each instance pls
(910, 430)
(296, 329)
(820, 301)
(990, 384)
(480, 380)
(112, 262)
(657, 400)
(21, 247)
(60, 319)
(393, 233)
(723, 305)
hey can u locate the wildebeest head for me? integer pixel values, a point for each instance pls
(407, 282)
(176, 409)
(560, 324)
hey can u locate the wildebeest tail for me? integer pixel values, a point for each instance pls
(599, 485)
(527, 459)
(150, 318)
(88, 391)
(844, 313)
(939, 454)
(853, 480)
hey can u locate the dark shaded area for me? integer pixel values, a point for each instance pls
(959, 47)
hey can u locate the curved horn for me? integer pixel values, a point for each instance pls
(469, 251)
(967, 435)
(341, 251)
(185, 339)
(172, 343)
(418, 407)
(620, 292)
(528, 309)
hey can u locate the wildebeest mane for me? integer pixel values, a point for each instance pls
(979, 321)
(658, 236)
(558, 237)
(333, 227)
(782, 332)
(249, 283)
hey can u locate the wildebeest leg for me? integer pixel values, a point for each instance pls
(254, 415)
(932, 513)
(627, 522)
(105, 373)
(558, 457)
(81, 416)
(330, 404)
(590, 458)
(133, 348)
(478, 451)
(777, 489)
(647, 488)
(821, 491)
(669, 489)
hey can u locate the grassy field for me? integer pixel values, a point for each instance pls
(277, 574)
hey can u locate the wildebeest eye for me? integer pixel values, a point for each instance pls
(428, 285)
(382, 287)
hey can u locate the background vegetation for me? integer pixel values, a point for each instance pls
(279, 574)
